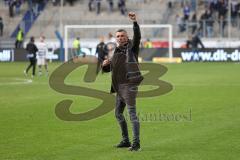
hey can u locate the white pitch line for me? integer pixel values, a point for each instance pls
(15, 81)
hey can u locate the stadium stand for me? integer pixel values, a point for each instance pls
(208, 18)
(150, 12)
(79, 14)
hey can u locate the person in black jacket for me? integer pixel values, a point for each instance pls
(126, 77)
(193, 42)
(32, 50)
(101, 52)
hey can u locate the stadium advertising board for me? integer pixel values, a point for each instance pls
(211, 55)
(146, 54)
(6, 55)
(201, 55)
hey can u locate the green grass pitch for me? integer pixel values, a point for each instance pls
(206, 95)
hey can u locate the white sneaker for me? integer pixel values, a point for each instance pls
(25, 73)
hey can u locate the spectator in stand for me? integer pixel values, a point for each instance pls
(222, 8)
(213, 5)
(90, 4)
(11, 4)
(1, 26)
(98, 3)
(122, 6)
(194, 5)
(234, 12)
(30, 5)
(222, 23)
(180, 23)
(202, 23)
(35, 4)
(170, 4)
(18, 6)
(110, 2)
(194, 22)
(56, 2)
(71, 2)
(186, 12)
(209, 23)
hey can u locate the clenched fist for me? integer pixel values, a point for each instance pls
(132, 16)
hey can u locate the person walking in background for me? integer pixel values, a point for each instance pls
(32, 50)
(42, 56)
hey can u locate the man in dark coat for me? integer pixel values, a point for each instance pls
(126, 77)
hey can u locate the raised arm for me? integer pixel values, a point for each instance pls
(136, 33)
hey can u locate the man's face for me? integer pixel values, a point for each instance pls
(122, 38)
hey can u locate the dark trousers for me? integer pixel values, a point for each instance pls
(18, 44)
(122, 100)
(32, 64)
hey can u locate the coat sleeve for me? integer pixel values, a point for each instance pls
(136, 38)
